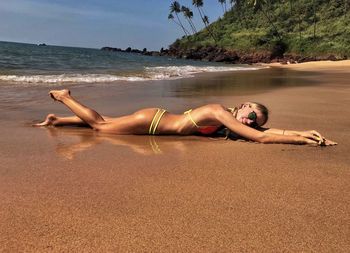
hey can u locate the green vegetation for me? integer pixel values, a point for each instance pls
(302, 27)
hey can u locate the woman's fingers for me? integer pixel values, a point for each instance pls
(317, 135)
(311, 136)
(330, 143)
(312, 142)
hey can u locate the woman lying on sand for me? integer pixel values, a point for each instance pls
(245, 121)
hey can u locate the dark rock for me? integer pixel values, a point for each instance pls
(137, 51)
(332, 58)
(155, 53)
(110, 49)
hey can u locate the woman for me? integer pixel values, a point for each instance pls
(245, 121)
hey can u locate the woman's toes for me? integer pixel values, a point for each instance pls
(49, 121)
(59, 94)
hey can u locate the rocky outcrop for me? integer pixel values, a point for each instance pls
(216, 54)
(113, 49)
(135, 51)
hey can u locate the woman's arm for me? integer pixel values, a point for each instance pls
(225, 117)
(311, 134)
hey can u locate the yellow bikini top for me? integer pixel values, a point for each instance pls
(233, 110)
(190, 117)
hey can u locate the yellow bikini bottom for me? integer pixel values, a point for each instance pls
(155, 121)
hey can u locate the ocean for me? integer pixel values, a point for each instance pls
(30, 64)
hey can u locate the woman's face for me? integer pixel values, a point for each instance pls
(249, 116)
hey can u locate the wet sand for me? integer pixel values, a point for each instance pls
(70, 189)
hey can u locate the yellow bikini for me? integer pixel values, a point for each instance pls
(190, 117)
(206, 130)
(155, 121)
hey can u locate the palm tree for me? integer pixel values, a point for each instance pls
(299, 18)
(199, 5)
(175, 8)
(232, 3)
(236, 5)
(189, 15)
(206, 20)
(259, 4)
(171, 17)
(314, 18)
(223, 5)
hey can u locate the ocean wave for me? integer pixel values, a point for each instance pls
(188, 71)
(149, 73)
(67, 78)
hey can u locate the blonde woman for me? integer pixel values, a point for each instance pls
(245, 121)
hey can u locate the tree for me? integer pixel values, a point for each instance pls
(175, 8)
(199, 5)
(237, 6)
(260, 5)
(206, 20)
(300, 20)
(223, 5)
(188, 14)
(315, 17)
(232, 3)
(171, 17)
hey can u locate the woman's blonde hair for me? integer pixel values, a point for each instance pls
(257, 106)
(261, 108)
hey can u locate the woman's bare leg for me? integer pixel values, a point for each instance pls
(136, 123)
(53, 120)
(89, 116)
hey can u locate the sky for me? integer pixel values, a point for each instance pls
(96, 23)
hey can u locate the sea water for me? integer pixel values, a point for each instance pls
(30, 64)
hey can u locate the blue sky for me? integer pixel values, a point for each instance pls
(95, 23)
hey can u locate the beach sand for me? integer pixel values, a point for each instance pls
(328, 66)
(73, 190)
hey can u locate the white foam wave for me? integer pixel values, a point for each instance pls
(68, 78)
(150, 73)
(189, 71)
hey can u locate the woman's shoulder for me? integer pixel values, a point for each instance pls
(210, 110)
(213, 107)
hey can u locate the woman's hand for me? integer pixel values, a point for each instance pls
(316, 138)
(329, 143)
(311, 134)
(314, 135)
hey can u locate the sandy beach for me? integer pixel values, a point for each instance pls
(324, 66)
(73, 190)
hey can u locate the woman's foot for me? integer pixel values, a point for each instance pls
(59, 94)
(49, 121)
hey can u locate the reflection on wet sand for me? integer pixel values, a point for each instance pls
(239, 83)
(87, 139)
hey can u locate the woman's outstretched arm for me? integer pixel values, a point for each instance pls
(310, 134)
(276, 136)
